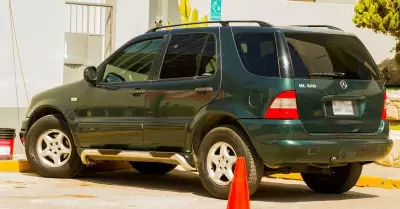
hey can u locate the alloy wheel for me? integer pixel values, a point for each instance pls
(221, 160)
(54, 148)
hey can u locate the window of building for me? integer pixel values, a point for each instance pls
(189, 55)
(133, 63)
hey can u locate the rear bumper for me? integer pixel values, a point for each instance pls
(325, 151)
(280, 143)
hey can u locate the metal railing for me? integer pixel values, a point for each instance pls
(91, 19)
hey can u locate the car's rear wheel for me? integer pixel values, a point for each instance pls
(217, 158)
(153, 167)
(50, 149)
(340, 181)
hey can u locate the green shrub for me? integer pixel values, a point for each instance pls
(381, 16)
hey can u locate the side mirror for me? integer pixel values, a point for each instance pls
(90, 75)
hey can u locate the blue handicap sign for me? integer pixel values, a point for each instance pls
(216, 9)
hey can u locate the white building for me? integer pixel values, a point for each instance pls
(53, 39)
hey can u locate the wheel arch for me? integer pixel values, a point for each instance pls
(49, 110)
(43, 111)
(209, 121)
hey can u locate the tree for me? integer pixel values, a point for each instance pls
(381, 16)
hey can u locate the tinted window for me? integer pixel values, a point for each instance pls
(189, 55)
(133, 63)
(208, 64)
(330, 56)
(258, 53)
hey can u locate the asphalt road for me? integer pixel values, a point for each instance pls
(176, 190)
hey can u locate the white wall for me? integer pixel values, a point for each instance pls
(40, 37)
(40, 26)
(131, 19)
(282, 12)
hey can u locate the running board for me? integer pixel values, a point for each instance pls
(90, 156)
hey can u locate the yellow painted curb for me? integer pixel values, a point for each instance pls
(23, 166)
(14, 166)
(364, 181)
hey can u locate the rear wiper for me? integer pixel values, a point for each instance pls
(327, 74)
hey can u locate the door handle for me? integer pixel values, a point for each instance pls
(137, 92)
(203, 89)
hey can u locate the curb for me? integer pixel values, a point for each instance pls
(364, 181)
(23, 166)
(14, 166)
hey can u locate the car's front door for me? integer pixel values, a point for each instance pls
(187, 80)
(110, 115)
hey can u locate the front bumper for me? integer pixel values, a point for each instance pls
(24, 130)
(280, 143)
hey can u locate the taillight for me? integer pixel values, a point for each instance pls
(284, 106)
(384, 114)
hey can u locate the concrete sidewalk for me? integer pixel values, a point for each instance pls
(177, 190)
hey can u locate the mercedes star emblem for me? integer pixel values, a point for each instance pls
(343, 84)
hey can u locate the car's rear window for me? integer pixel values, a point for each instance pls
(328, 56)
(257, 52)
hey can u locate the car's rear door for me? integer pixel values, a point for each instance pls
(188, 78)
(338, 86)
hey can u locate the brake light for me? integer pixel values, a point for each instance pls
(284, 106)
(384, 111)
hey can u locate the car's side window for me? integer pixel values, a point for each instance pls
(208, 64)
(133, 63)
(189, 55)
(258, 53)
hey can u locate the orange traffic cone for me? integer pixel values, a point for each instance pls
(239, 193)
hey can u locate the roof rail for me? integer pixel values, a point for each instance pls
(320, 26)
(224, 23)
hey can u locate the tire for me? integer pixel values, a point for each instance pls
(153, 167)
(53, 125)
(239, 142)
(342, 180)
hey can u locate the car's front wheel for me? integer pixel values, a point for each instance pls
(50, 149)
(341, 180)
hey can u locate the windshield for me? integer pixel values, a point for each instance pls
(328, 56)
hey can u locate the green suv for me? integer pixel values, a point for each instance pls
(299, 99)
